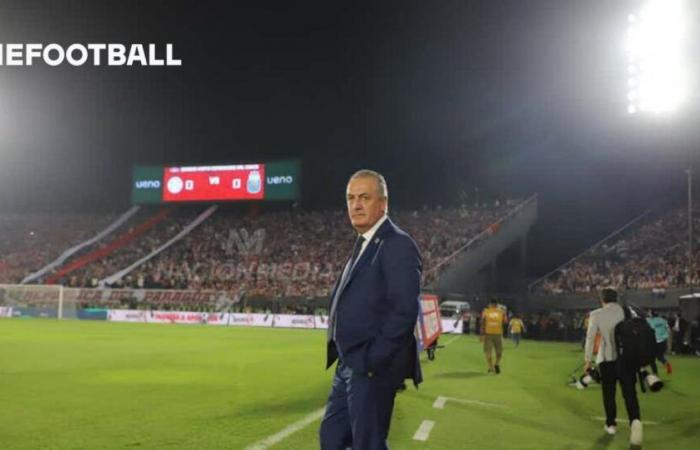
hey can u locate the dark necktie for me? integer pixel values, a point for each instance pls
(341, 284)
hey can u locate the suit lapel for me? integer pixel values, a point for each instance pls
(369, 253)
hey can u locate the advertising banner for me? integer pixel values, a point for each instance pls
(126, 315)
(451, 326)
(187, 317)
(225, 319)
(250, 320)
(294, 321)
(429, 323)
(93, 314)
(160, 296)
(321, 322)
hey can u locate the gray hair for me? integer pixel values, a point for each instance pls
(365, 173)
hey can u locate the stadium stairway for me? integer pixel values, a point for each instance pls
(483, 250)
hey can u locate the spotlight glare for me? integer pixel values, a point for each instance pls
(654, 43)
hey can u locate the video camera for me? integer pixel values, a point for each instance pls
(592, 375)
(651, 381)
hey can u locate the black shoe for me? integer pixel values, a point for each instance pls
(497, 368)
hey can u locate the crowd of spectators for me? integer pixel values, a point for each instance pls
(549, 326)
(137, 247)
(292, 253)
(30, 241)
(272, 254)
(571, 326)
(651, 256)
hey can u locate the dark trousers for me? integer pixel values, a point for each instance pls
(661, 351)
(611, 373)
(660, 354)
(358, 412)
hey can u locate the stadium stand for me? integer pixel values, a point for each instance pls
(29, 241)
(272, 254)
(650, 256)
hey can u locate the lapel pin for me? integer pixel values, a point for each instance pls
(376, 240)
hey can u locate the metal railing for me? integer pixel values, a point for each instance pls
(482, 236)
(624, 227)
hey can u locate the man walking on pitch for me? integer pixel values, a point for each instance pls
(612, 369)
(516, 328)
(373, 313)
(493, 318)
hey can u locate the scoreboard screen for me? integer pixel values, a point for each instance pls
(232, 182)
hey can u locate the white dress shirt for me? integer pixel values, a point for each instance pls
(369, 234)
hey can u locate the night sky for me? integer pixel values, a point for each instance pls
(512, 97)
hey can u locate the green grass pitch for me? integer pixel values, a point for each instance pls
(102, 385)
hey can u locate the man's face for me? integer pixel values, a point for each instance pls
(365, 203)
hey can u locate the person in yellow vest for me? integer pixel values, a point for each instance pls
(516, 328)
(493, 318)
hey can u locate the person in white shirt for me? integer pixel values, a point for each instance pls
(602, 323)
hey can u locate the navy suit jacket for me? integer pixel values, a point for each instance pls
(378, 308)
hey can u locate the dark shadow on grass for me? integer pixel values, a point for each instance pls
(459, 375)
(691, 430)
(602, 442)
(669, 387)
(635, 447)
(283, 405)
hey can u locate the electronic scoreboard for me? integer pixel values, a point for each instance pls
(230, 182)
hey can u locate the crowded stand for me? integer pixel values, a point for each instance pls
(91, 274)
(273, 254)
(652, 256)
(292, 254)
(293, 262)
(29, 241)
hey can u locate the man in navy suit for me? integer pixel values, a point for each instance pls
(373, 313)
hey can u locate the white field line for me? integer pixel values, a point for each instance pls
(291, 429)
(625, 421)
(452, 340)
(423, 432)
(441, 401)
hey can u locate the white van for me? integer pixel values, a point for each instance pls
(452, 308)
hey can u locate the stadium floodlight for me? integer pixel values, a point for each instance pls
(655, 40)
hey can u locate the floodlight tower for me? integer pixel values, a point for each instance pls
(657, 79)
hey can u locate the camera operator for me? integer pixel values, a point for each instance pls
(612, 370)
